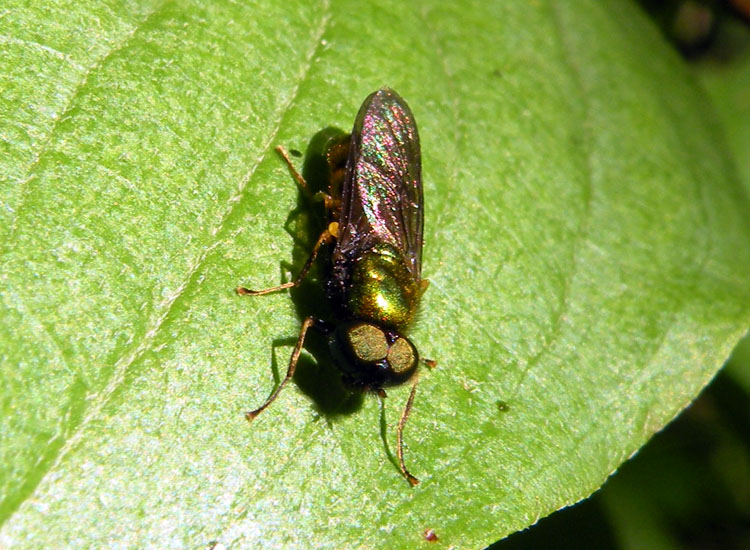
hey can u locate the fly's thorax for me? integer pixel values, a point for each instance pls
(371, 356)
(381, 289)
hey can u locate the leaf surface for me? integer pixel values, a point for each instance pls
(584, 238)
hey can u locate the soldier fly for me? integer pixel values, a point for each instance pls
(373, 280)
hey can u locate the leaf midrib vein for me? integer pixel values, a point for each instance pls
(121, 366)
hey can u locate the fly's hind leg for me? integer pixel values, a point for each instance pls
(330, 233)
(302, 182)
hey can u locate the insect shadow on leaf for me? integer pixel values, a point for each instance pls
(316, 374)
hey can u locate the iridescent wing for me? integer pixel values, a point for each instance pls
(381, 199)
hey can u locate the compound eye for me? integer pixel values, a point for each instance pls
(367, 342)
(402, 356)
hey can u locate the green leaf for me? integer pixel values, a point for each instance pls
(584, 240)
(728, 84)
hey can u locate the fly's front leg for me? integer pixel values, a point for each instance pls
(430, 363)
(400, 435)
(290, 370)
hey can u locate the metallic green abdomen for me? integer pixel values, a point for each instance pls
(382, 289)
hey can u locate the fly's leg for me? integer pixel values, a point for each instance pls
(423, 285)
(293, 171)
(330, 234)
(326, 236)
(319, 196)
(400, 437)
(290, 371)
